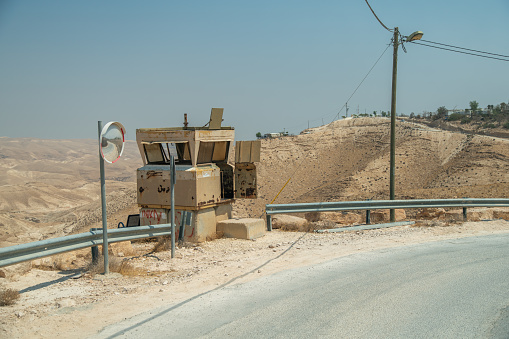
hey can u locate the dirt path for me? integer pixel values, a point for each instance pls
(63, 304)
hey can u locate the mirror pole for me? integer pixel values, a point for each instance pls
(103, 204)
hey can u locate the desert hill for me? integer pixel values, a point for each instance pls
(349, 160)
(49, 188)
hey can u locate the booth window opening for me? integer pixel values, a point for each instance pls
(213, 152)
(159, 152)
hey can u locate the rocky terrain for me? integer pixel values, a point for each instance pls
(349, 160)
(50, 188)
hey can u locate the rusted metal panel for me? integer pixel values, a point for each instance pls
(153, 216)
(192, 135)
(245, 181)
(195, 187)
(248, 151)
(256, 147)
(153, 185)
(216, 118)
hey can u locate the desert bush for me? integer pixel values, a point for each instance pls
(304, 227)
(215, 236)
(455, 117)
(8, 297)
(489, 125)
(163, 244)
(117, 265)
(466, 120)
(290, 223)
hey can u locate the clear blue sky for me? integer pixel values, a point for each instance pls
(272, 65)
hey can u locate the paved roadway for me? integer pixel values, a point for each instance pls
(450, 289)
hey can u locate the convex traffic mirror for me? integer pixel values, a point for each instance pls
(112, 141)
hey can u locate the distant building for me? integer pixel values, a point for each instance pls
(467, 111)
(275, 135)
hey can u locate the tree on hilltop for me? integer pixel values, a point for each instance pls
(474, 107)
(441, 113)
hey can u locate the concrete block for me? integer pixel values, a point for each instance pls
(247, 228)
(223, 212)
(203, 227)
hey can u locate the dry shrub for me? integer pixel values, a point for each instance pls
(124, 267)
(303, 227)
(217, 235)
(290, 223)
(8, 297)
(162, 244)
(116, 265)
(429, 223)
(323, 225)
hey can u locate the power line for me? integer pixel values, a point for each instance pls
(298, 167)
(466, 49)
(337, 115)
(452, 50)
(381, 23)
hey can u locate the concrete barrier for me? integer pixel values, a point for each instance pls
(247, 228)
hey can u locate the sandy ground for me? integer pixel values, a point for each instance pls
(77, 303)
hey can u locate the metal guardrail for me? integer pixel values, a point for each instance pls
(44, 248)
(380, 204)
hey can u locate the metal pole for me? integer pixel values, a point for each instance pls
(393, 121)
(103, 204)
(172, 190)
(269, 223)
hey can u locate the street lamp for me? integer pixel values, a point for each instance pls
(412, 37)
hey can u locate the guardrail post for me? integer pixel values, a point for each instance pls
(465, 214)
(182, 229)
(368, 215)
(95, 251)
(269, 222)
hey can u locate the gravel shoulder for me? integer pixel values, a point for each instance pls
(77, 303)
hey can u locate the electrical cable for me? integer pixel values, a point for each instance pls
(452, 50)
(467, 49)
(300, 162)
(337, 115)
(381, 23)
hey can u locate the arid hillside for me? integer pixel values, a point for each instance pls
(49, 188)
(349, 160)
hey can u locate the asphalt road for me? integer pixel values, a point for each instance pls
(451, 289)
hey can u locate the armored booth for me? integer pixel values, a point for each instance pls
(206, 184)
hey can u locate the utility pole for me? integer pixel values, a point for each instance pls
(393, 121)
